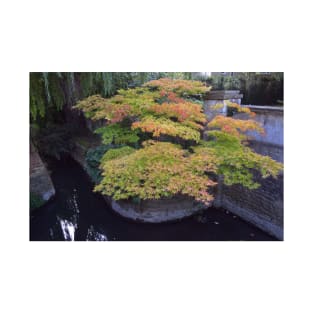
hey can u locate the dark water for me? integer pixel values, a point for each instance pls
(76, 213)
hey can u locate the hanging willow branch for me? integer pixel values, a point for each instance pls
(46, 81)
(55, 89)
(107, 81)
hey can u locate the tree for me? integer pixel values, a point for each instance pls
(162, 124)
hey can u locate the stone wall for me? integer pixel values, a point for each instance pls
(157, 211)
(272, 120)
(220, 97)
(264, 206)
(40, 181)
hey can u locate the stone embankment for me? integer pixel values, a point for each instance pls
(40, 182)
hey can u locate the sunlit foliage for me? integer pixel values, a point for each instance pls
(179, 86)
(165, 110)
(182, 111)
(235, 161)
(159, 169)
(114, 154)
(117, 134)
(164, 126)
(237, 128)
(97, 108)
(37, 95)
(232, 108)
(160, 112)
(237, 108)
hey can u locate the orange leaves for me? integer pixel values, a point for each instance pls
(240, 109)
(159, 169)
(162, 169)
(113, 113)
(179, 86)
(91, 105)
(183, 111)
(164, 126)
(203, 159)
(170, 96)
(233, 107)
(97, 108)
(142, 102)
(235, 127)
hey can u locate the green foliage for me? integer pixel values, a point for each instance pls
(117, 153)
(56, 91)
(107, 79)
(35, 201)
(117, 134)
(258, 88)
(93, 159)
(139, 78)
(180, 87)
(163, 169)
(45, 92)
(235, 127)
(235, 161)
(86, 82)
(100, 154)
(178, 117)
(160, 169)
(37, 95)
(164, 126)
(224, 82)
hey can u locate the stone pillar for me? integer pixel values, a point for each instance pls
(220, 97)
(211, 99)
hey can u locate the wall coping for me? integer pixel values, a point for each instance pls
(223, 95)
(260, 108)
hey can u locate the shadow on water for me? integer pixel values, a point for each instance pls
(76, 213)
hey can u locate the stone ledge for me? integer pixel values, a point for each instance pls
(156, 211)
(264, 109)
(40, 182)
(223, 95)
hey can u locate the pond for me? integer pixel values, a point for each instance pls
(78, 214)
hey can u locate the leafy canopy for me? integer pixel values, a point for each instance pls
(160, 169)
(167, 124)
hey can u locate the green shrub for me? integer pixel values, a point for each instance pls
(117, 134)
(160, 168)
(117, 153)
(93, 159)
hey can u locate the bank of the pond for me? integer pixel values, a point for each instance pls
(76, 213)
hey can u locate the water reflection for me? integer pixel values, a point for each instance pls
(95, 235)
(78, 214)
(67, 222)
(68, 229)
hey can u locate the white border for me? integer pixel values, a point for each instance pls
(155, 36)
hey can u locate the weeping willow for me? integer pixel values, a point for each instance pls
(46, 81)
(107, 82)
(45, 91)
(87, 84)
(37, 95)
(54, 90)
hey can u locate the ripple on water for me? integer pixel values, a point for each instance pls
(68, 229)
(94, 235)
